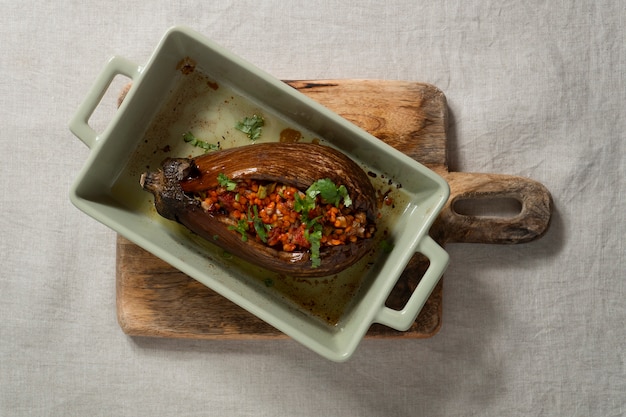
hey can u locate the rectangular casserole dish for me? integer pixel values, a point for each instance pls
(107, 188)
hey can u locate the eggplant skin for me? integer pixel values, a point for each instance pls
(296, 164)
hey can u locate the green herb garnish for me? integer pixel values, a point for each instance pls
(386, 246)
(303, 204)
(315, 239)
(242, 227)
(224, 181)
(191, 139)
(260, 228)
(251, 126)
(329, 193)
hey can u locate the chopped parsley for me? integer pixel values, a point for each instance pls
(191, 139)
(251, 126)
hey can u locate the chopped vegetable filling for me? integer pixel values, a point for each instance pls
(283, 217)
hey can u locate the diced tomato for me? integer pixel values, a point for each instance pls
(298, 237)
(227, 201)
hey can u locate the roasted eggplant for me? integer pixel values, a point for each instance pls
(182, 189)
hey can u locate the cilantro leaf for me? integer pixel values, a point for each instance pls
(251, 126)
(315, 239)
(191, 139)
(224, 181)
(343, 193)
(329, 192)
(242, 227)
(303, 205)
(260, 228)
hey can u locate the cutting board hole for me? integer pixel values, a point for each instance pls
(505, 207)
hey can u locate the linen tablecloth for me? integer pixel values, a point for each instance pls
(535, 89)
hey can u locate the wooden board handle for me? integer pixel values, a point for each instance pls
(530, 223)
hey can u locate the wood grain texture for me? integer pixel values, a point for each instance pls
(154, 299)
(410, 116)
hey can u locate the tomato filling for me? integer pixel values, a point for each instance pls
(283, 217)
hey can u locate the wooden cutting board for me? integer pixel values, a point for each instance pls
(155, 299)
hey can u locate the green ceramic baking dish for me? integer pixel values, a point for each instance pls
(218, 88)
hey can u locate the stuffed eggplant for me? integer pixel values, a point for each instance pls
(301, 209)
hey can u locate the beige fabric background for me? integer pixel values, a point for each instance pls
(534, 88)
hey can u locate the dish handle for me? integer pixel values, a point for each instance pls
(403, 319)
(79, 125)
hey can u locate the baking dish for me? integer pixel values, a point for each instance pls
(107, 188)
